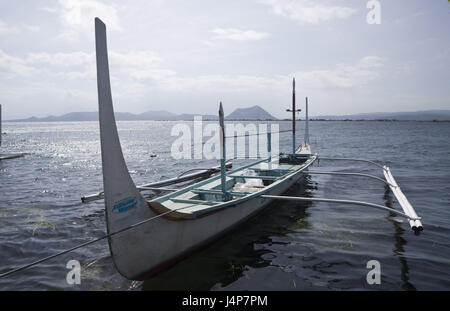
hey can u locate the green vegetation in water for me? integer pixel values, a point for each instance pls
(300, 224)
(43, 223)
(90, 273)
(343, 246)
(236, 270)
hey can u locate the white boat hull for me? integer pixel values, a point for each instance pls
(142, 251)
(139, 250)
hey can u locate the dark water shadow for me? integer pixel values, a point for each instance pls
(400, 242)
(226, 260)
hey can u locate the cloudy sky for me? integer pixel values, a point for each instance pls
(186, 56)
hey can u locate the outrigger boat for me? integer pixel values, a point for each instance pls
(147, 236)
(191, 216)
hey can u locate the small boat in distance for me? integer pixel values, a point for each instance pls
(8, 155)
(147, 236)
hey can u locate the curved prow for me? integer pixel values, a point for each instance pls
(123, 203)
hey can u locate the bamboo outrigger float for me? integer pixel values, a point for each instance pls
(188, 218)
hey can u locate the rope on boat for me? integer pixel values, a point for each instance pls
(87, 243)
(197, 169)
(257, 134)
(210, 169)
(171, 211)
(351, 159)
(247, 135)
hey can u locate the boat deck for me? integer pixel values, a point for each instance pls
(242, 184)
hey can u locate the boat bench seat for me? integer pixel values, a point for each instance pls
(215, 184)
(213, 191)
(206, 202)
(255, 177)
(271, 166)
(265, 169)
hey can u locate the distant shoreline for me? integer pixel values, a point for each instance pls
(211, 120)
(254, 113)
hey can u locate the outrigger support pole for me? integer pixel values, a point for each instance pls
(350, 159)
(349, 174)
(305, 199)
(414, 220)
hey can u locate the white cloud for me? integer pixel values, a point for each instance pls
(15, 29)
(144, 66)
(49, 9)
(139, 65)
(77, 17)
(82, 65)
(308, 11)
(142, 59)
(372, 62)
(238, 35)
(62, 59)
(31, 28)
(7, 29)
(343, 76)
(11, 65)
(136, 74)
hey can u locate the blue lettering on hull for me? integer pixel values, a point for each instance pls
(124, 205)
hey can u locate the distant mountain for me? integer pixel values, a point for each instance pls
(424, 115)
(252, 113)
(157, 115)
(120, 116)
(78, 116)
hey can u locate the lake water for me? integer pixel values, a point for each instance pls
(289, 246)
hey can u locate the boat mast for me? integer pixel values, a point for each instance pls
(293, 115)
(223, 168)
(306, 124)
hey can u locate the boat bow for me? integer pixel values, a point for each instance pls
(124, 204)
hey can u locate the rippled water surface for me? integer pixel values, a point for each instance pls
(289, 246)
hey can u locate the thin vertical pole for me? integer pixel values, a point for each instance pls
(223, 168)
(269, 145)
(293, 116)
(0, 125)
(306, 124)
